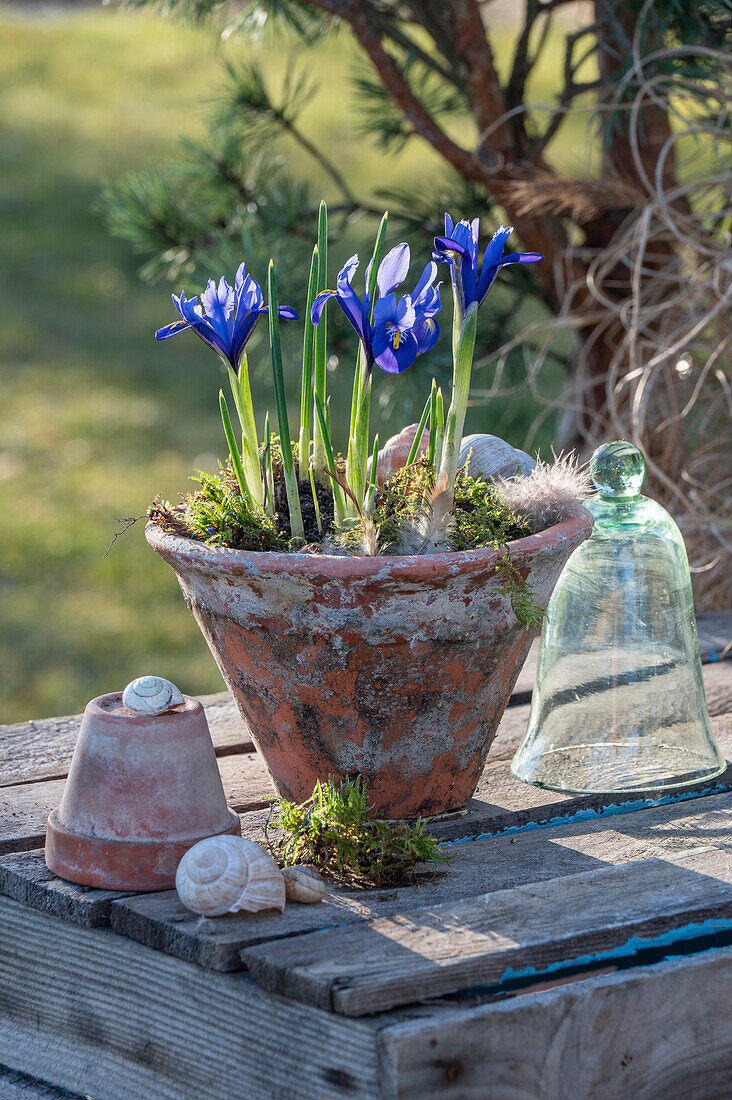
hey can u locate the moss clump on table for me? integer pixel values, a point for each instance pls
(337, 832)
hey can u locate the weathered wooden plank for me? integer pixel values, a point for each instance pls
(42, 749)
(18, 1086)
(98, 1014)
(25, 877)
(661, 1032)
(437, 950)
(478, 867)
(500, 802)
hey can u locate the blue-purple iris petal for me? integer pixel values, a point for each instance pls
(171, 330)
(393, 269)
(427, 333)
(449, 225)
(318, 305)
(218, 301)
(449, 244)
(404, 315)
(495, 246)
(428, 276)
(385, 309)
(244, 328)
(345, 275)
(288, 312)
(391, 359)
(466, 234)
(522, 258)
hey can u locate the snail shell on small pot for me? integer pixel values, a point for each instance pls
(490, 457)
(395, 452)
(227, 874)
(151, 695)
(303, 884)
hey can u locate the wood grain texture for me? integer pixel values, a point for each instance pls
(95, 1013)
(661, 1032)
(478, 867)
(25, 878)
(437, 950)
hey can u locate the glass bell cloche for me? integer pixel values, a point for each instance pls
(619, 699)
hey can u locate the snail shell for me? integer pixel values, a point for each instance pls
(226, 874)
(151, 695)
(493, 458)
(395, 452)
(303, 884)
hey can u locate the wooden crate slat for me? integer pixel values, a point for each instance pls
(160, 921)
(500, 802)
(42, 749)
(98, 1014)
(25, 878)
(659, 1032)
(437, 950)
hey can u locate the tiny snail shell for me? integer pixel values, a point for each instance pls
(490, 457)
(151, 695)
(303, 884)
(227, 874)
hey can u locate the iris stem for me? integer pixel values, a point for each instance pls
(306, 385)
(464, 348)
(414, 449)
(320, 343)
(291, 488)
(358, 442)
(233, 449)
(242, 394)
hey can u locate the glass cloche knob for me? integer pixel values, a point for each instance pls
(618, 470)
(619, 700)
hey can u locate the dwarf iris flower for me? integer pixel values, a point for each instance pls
(401, 328)
(459, 248)
(226, 317)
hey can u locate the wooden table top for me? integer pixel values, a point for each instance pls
(576, 946)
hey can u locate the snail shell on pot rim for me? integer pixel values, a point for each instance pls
(303, 884)
(490, 457)
(151, 695)
(227, 874)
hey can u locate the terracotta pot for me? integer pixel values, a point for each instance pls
(397, 668)
(141, 791)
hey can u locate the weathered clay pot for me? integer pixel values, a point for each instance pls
(141, 791)
(397, 668)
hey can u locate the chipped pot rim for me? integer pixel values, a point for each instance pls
(199, 555)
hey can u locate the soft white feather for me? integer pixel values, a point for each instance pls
(550, 494)
(429, 531)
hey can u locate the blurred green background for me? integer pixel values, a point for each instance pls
(95, 417)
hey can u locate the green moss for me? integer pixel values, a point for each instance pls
(479, 518)
(338, 832)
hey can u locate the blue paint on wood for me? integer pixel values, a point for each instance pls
(591, 813)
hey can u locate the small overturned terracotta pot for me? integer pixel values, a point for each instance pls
(395, 668)
(141, 790)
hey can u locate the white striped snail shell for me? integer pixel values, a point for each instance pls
(227, 874)
(151, 695)
(490, 457)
